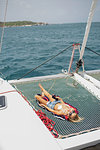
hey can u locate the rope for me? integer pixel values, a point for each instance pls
(44, 62)
(92, 51)
(52, 85)
(78, 133)
(3, 25)
(8, 92)
(53, 58)
(3, 76)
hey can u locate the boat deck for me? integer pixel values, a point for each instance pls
(20, 128)
(72, 93)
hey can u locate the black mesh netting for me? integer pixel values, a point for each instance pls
(87, 105)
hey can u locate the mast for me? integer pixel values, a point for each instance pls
(88, 28)
(2, 34)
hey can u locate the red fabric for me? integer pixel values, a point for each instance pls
(48, 122)
(76, 111)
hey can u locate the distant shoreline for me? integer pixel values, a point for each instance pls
(30, 23)
(21, 24)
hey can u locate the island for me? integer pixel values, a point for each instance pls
(21, 23)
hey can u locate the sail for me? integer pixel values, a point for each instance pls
(88, 27)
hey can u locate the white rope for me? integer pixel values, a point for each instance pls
(3, 25)
(52, 85)
(78, 133)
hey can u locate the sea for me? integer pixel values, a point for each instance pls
(25, 48)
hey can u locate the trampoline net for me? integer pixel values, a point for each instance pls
(87, 105)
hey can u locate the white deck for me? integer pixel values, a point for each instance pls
(92, 80)
(80, 141)
(92, 85)
(38, 78)
(21, 129)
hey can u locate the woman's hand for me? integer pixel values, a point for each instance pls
(42, 105)
(41, 87)
(60, 99)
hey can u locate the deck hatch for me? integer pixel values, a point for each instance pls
(3, 102)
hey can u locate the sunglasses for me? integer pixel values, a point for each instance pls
(71, 112)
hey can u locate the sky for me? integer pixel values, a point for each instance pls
(50, 11)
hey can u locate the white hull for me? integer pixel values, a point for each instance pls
(20, 128)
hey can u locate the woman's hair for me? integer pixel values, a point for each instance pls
(75, 118)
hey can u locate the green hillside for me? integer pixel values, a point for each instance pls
(21, 23)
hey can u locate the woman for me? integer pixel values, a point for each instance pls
(57, 106)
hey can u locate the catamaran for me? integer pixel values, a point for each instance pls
(23, 125)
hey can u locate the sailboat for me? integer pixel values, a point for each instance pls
(20, 126)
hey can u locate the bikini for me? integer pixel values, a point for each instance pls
(52, 104)
(63, 117)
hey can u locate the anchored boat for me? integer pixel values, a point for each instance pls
(20, 116)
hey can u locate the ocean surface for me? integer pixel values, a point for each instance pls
(25, 48)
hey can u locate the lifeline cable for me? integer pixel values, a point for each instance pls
(44, 62)
(3, 76)
(53, 58)
(92, 51)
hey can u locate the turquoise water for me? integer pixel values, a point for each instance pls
(26, 47)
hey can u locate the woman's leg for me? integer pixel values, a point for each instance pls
(41, 100)
(46, 93)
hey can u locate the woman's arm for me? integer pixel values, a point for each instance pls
(46, 93)
(60, 100)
